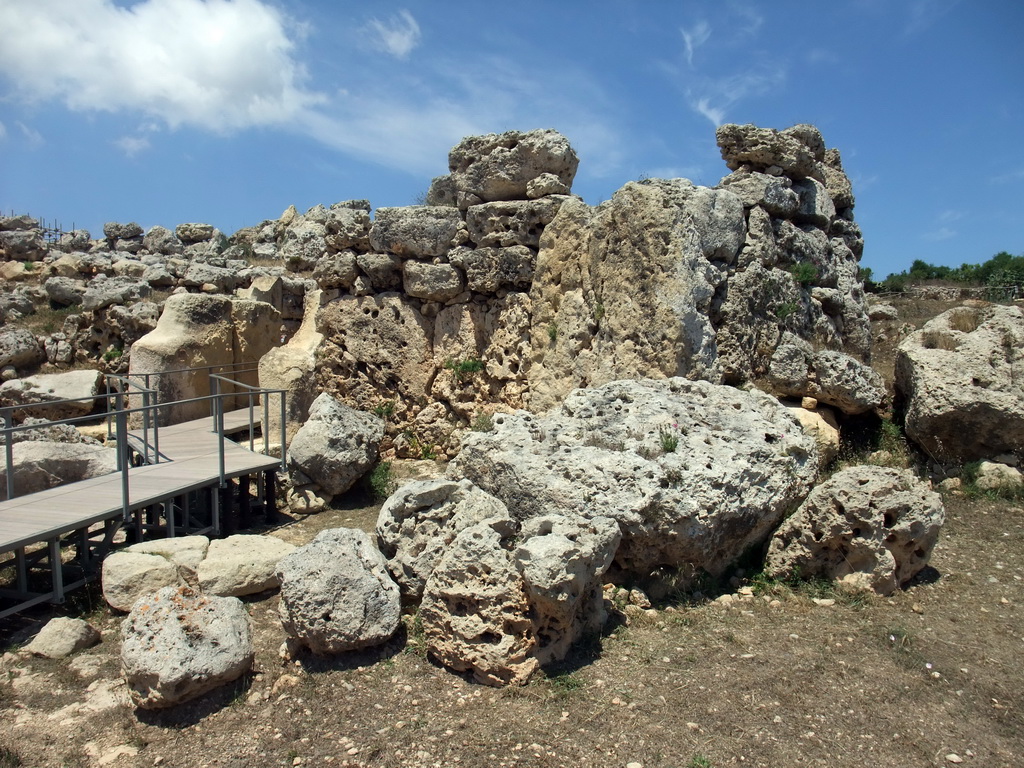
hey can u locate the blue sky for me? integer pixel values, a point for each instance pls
(228, 111)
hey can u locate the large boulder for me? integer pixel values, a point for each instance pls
(417, 231)
(177, 645)
(960, 383)
(104, 291)
(242, 565)
(196, 331)
(40, 464)
(81, 387)
(337, 595)
(796, 152)
(695, 474)
(337, 445)
(501, 166)
(420, 520)
(869, 527)
(506, 598)
(513, 222)
(831, 377)
(627, 290)
(20, 348)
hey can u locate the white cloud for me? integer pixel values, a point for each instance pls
(942, 233)
(132, 145)
(694, 38)
(33, 137)
(713, 97)
(924, 13)
(3, 131)
(949, 216)
(715, 114)
(216, 64)
(396, 36)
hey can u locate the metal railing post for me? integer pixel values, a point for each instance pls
(219, 407)
(284, 465)
(9, 448)
(122, 457)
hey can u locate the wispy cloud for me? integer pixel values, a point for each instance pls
(33, 137)
(1016, 174)
(949, 216)
(694, 38)
(713, 97)
(922, 14)
(132, 145)
(942, 233)
(3, 131)
(750, 19)
(184, 62)
(397, 36)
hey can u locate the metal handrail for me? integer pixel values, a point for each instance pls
(148, 410)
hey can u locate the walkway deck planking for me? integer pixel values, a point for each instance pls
(192, 450)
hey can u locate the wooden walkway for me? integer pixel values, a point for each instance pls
(190, 462)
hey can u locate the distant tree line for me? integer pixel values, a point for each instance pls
(1002, 270)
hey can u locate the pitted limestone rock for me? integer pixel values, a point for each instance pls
(336, 593)
(865, 523)
(693, 473)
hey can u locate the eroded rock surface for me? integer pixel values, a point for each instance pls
(693, 473)
(960, 380)
(865, 526)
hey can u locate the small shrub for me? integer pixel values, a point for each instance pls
(113, 354)
(382, 483)
(804, 273)
(386, 410)
(553, 331)
(669, 438)
(566, 683)
(9, 758)
(464, 369)
(598, 312)
(699, 761)
(483, 423)
(785, 309)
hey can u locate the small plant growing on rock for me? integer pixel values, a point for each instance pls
(483, 423)
(669, 438)
(382, 483)
(385, 411)
(553, 332)
(785, 309)
(464, 369)
(113, 354)
(804, 273)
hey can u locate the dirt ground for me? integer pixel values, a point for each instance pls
(754, 674)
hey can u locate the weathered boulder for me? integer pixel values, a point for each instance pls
(127, 576)
(505, 599)
(830, 377)
(432, 282)
(242, 565)
(23, 245)
(960, 383)
(336, 594)
(793, 152)
(62, 636)
(489, 270)
(161, 240)
(64, 291)
(694, 474)
(420, 520)
(628, 289)
(39, 465)
(199, 275)
(337, 445)
(865, 525)
(501, 166)
(81, 387)
(20, 348)
(512, 222)
(417, 231)
(177, 645)
(819, 423)
(303, 244)
(190, 233)
(102, 291)
(995, 476)
(113, 230)
(383, 269)
(348, 225)
(336, 270)
(198, 330)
